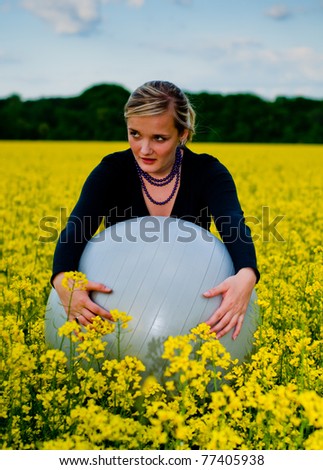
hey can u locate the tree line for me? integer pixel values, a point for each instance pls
(97, 114)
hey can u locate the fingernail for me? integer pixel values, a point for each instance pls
(207, 293)
(108, 289)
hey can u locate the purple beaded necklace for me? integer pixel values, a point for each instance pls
(174, 173)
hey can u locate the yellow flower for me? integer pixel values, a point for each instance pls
(120, 317)
(314, 441)
(74, 280)
(70, 328)
(273, 400)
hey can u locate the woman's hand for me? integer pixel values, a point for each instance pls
(236, 292)
(80, 307)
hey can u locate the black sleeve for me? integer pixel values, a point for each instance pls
(222, 199)
(84, 220)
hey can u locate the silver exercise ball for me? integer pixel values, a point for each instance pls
(158, 268)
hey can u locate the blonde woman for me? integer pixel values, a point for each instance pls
(158, 175)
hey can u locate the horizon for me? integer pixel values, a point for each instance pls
(215, 92)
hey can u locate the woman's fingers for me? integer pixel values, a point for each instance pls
(85, 318)
(238, 327)
(98, 286)
(95, 309)
(230, 314)
(222, 321)
(223, 315)
(236, 291)
(82, 306)
(217, 290)
(88, 309)
(227, 323)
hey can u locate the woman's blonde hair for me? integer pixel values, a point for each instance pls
(156, 97)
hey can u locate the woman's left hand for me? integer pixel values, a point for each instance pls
(236, 292)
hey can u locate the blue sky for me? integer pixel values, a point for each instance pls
(62, 47)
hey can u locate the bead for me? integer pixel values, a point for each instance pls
(175, 173)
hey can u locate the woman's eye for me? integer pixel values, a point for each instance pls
(159, 138)
(134, 133)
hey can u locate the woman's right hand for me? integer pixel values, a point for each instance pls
(81, 307)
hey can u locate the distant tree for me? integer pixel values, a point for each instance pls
(97, 114)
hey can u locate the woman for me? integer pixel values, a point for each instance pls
(160, 176)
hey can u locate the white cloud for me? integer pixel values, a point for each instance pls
(72, 16)
(183, 2)
(135, 3)
(278, 12)
(245, 64)
(66, 16)
(306, 62)
(302, 62)
(131, 3)
(7, 58)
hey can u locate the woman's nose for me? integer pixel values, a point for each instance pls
(146, 148)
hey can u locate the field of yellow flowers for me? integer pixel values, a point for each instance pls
(273, 401)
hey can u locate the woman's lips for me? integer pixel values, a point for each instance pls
(148, 161)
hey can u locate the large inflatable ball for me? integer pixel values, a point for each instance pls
(158, 268)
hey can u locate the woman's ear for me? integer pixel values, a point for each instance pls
(183, 137)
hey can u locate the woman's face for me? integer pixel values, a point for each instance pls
(153, 141)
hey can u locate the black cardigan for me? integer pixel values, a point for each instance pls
(113, 192)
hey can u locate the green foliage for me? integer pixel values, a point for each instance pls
(97, 114)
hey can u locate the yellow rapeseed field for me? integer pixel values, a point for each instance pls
(273, 401)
